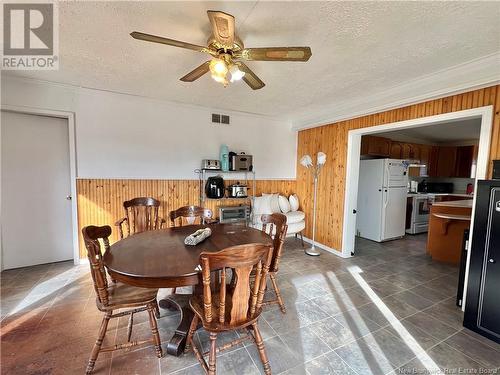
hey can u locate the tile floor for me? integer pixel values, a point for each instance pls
(388, 310)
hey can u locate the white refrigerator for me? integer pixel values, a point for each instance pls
(382, 193)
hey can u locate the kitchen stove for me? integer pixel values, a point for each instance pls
(417, 212)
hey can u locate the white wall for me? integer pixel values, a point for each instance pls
(124, 136)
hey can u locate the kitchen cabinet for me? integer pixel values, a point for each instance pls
(425, 154)
(375, 146)
(421, 153)
(450, 198)
(415, 151)
(396, 150)
(443, 159)
(466, 161)
(407, 151)
(433, 161)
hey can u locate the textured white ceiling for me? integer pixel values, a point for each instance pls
(359, 49)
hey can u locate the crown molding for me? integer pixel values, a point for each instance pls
(472, 75)
(76, 88)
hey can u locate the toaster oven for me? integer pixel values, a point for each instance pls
(234, 214)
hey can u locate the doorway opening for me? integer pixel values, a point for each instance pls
(479, 118)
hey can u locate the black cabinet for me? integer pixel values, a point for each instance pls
(482, 308)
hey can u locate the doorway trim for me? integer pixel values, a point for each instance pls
(352, 167)
(70, 117)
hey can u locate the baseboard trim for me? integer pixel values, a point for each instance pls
(326, 248)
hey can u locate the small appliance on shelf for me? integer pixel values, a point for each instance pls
(234, 214)
(215, 187)
(240, 162)
(211, 164)
(237, 190)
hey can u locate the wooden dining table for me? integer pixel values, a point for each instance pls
(160, 259)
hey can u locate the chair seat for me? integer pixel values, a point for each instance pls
(123, 295)
(196, 303)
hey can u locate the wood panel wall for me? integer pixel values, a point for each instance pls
(100, 200)
(332, 139)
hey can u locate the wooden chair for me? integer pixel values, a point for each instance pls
(116, 296)
(141, 214)
(228, 307)
(275, 225)
(191, 213)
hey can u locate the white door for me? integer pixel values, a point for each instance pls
(394, 213)
(35, 185)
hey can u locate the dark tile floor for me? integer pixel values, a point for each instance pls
(389, 309)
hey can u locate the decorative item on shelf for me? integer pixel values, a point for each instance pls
(306, 161)
(224, 158)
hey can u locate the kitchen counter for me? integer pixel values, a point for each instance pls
(453, 217)
(447, 222)
(465, 203)
(441, 195)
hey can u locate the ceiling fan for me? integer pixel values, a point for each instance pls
(228, 53)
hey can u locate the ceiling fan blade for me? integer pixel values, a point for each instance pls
(250, 77)
(222, 27)
(170, 42)
(277, 54)
(197, 72)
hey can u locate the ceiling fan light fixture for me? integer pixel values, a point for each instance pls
(236, 73)
(219, 77)
(227, 53)
(218, 67)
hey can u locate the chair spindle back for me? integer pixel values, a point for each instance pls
(91, 237)
(246, 300)
(191, 213)
(142, 214)
(275, 223)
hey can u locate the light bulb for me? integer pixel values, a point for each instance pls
(321, 158)
(218, 78)
(236, 73)
(306, 161)
(218, 66)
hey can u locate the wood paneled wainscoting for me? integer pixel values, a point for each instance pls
(100, 201)
(332, 139)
